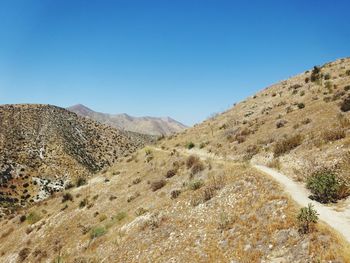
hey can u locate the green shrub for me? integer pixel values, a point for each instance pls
(301, 105)
(148, 151)
(286, 145)
(33, 217)
(190, 145)
(81, 181)
(195, 185)
(307, 217)
(97, 232)
(83, 203)
(347, 72)
(120, 216)
(140, 211)
(324, 186)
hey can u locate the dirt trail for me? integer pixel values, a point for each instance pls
(338, 220)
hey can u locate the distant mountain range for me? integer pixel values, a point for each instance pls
(145, 125)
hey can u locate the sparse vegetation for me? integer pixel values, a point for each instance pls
(156, 185)
(334, 134)
(136, 180)
(175, 194)
(345, 105)
(140, 211)
(97, 232)
(170, 173)
(286, 145)
(191, 160)
(301, 105)
(81, 181)
(195, 184)
(190, 145)
(67, 197)
(23, 254)
(307, 218)
(83, 203)
(316, 74)
(33, 217)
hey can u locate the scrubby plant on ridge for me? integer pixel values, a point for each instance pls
(307, 218)
(325, 186)
(286, 145)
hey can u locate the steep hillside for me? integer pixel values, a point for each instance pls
(195, 197)
(145, 125)
(44, 148)
(296, 125)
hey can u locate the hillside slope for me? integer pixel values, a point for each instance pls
(296, 125)
(145, 125)
(167, 203)
(43, 148)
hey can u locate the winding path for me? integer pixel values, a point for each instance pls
(338, 220)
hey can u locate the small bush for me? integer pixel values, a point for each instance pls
(307, 217)
(148, 151)
(347, 88)
(301, 105)
(275, 163)
(22, 218)
(175, 194)
(170, 173)
(120, 216)
(280, 123)
(102, 217)
(347, 72)
(156, 185)
(197, 167)
(195, 185)
(286, 145)
(97, 232)
(345, 105)
(81, 181)
(140, 211)
(67, 197)
(251, 151)
(33, 217)
(327, 76)
(137, 180)
(334, 134)
(190, 145)
(83, 203)
(191, 160)
(315, 74)
(324, 186)
(23, 254)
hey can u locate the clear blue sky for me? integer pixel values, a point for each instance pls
(180, 58)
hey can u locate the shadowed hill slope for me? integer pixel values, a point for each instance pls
(43, 148)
